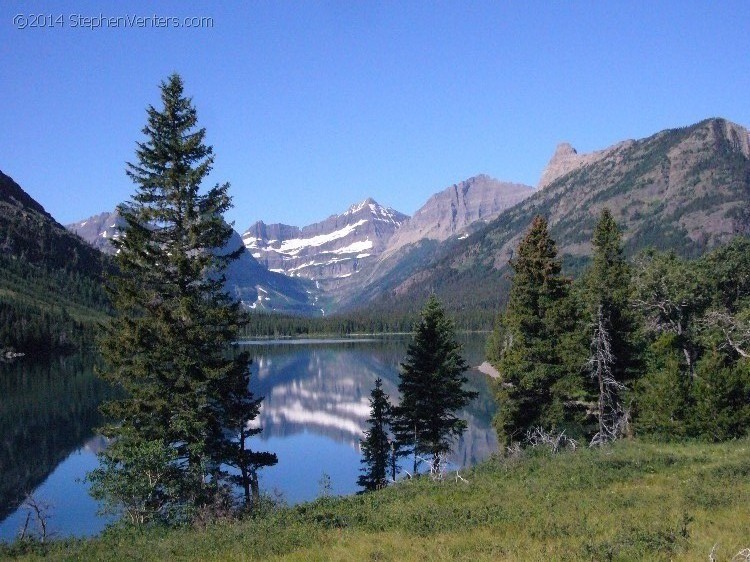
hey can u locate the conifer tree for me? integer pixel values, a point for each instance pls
(241, 407)
(537, 380)
(377, 447)
(612, 327)
(431, 387)
(166, 348)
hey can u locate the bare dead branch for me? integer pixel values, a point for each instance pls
(613, 418)
(736, 332)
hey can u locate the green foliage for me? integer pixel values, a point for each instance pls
(669, 342)
(45, 310)
(241, 407)
(378, 455)
(135, 479)
(696, 381)
(537, 380)
(431, 386)
(663, 393)
(631, 501)
(185, 396)
(611, 327)
(721, 396)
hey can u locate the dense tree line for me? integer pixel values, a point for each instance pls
(45, 310)
(655, 346)
(377, 320)
(267, 324)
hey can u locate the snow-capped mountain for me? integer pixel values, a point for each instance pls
(99, 230)
(246, 280)
(327, 251)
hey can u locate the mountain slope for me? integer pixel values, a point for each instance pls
(452, 211)
(247, 280)
(29, 232)
(328, 251)
(51, 291)
(684, 189)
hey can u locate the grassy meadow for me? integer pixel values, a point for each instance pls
(632, 501)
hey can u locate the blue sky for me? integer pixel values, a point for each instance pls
(313, 106)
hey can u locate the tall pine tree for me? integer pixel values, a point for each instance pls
(377, 447)
(537, 379)
(166, 348)
(614, 353)
(432, 388)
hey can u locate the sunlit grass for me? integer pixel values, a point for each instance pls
(633, 501)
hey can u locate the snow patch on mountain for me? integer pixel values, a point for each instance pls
(330, 250)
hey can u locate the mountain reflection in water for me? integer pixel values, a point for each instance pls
(326, 391)
(315, 410)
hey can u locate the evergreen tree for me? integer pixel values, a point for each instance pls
(614, 355)
(377, 448)
(538, 376)
(241, 408)
(671, 295)
(431, 387)
(167, 346)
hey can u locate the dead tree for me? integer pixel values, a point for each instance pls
(539, 437)
(41, 512)
(736, 331)
(611, 415)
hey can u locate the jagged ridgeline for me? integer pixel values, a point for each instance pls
(51, 291)
(683, 189)
(686, 190)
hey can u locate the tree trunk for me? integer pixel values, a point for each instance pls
(414, 474)
(255, 488)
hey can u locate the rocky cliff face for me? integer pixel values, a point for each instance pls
(566, 159)
(99, 230)
(452, 211)
(327, 251)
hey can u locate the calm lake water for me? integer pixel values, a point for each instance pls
(315, 409)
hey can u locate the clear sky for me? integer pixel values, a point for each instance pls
(312, 106)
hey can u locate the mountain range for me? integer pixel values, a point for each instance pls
(320, 267)
(685, 189)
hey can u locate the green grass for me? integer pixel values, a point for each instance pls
(633, 501)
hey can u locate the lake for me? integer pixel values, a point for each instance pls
(315, 408)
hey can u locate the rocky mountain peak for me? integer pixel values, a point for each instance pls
(564, 150)
(99, 230)
(564, 160)
(327, 251)
(567, 159)
(457, 208)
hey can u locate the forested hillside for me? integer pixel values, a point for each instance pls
(51, 282)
